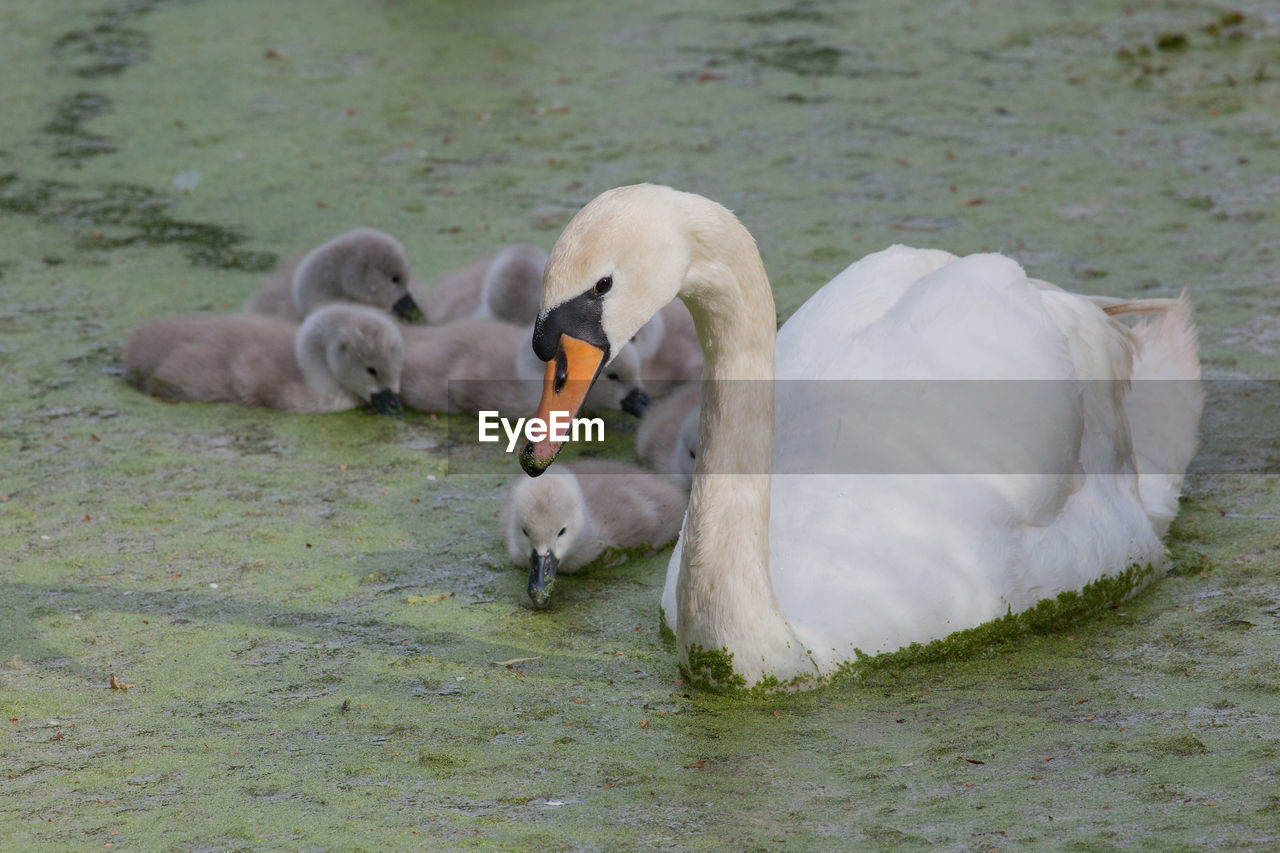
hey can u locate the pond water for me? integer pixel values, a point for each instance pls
(314, 612)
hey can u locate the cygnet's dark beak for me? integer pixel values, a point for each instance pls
(386, 402)
(636, 402)
(406, 309)
(542, 578)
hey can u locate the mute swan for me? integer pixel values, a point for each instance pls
(780, 582)
(667, 438)
(365, 266)
(476, 365)
(341, 357)
(503, 287)
(562, 523)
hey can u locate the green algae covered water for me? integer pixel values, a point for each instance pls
(325, 646)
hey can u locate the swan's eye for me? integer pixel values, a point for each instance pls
(395, 279)
(562, 530)
(693, 454)
(525, 531)
(372, 371)
(613, 376)
(604, 285)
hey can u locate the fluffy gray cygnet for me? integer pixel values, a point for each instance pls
(667, 438)
(565, 519)
(363, 266)
(477, 365)
(343, 356)
(505, 286)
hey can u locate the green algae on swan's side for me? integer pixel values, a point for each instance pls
(1048, 614)
(712, 669)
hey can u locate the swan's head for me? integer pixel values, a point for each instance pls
(363, 351)
(364, 266)
(619, 261)
(619, 385)
(546, 520)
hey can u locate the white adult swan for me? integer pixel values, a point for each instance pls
(852, 563)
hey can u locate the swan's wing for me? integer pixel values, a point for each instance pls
(941, 479)
(872, 563)
(965, 373)
(856, 298)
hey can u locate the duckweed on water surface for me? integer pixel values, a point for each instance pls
(137, 214)
(271, 584)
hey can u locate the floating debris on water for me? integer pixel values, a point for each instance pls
(187, 181)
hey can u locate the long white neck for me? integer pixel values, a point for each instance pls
(725, 599)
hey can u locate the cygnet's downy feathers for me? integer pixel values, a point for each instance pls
(667, 438)
(566, 520)
(363, 266)
(505, 287)
(341, 357)
(485, 365)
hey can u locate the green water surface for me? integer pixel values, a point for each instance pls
(271, 584)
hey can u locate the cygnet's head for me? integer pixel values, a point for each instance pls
(649, 338)
(685, 452)
(619, 385)
(363, 351)
(546, 521)
(512, 284)
(364, 266)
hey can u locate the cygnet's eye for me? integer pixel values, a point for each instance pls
(613, 376)
(562, 530)
(604, 285)
(525, 531)
(395, 279)
(693, 454)
(372, 371)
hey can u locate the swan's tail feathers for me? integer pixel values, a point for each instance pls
(1114, 307)
(1164, 402)
(1168, 345)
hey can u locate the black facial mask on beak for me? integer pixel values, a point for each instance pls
(581, 317)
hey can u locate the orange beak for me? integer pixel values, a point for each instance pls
(564, 387)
